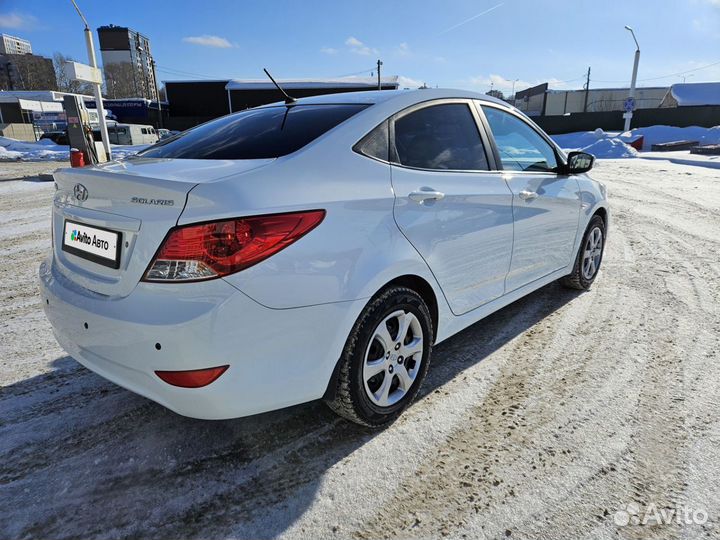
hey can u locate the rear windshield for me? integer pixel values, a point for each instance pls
(254, 134)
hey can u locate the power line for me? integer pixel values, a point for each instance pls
(569, 80)
(371, 70)
(173, 71)
(668, 76)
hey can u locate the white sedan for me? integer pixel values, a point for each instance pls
(313, 249)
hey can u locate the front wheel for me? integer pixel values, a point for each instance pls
(589, 257)
(385, 358)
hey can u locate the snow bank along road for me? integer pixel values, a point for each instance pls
(543, 421)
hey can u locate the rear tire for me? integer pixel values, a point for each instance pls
(589, 257)
(385, 358)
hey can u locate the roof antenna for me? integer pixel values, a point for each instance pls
(288, 100)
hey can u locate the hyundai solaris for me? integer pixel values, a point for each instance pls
(314, 249)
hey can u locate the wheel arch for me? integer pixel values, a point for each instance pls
(603, 213)
(412, 281)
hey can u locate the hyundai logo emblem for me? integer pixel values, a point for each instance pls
(80, 192)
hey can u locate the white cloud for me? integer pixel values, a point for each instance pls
(403, 49)
(329, 50)
(209, 41)
(16, 20)
(358, 47)
(408, 82)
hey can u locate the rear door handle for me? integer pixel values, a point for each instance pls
(526, 195)
(425, 194)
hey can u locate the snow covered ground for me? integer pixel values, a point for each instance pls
(614, 145)
(541, 421)
(46, 150)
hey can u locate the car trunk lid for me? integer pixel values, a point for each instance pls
(141, 199)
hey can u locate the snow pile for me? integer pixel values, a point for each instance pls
(46, 150)
(613, 145)
(11, 149)
(662, 134)
(600, 144)
(9, 155)
(610, 148)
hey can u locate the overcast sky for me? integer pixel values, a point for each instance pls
(458, 44)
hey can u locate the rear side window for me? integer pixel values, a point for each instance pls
(269, 132)
(440, 137)
(375, 144)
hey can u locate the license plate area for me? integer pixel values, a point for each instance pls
(96, 244)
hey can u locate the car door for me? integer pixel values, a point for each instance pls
(546, 205)
(449, 204)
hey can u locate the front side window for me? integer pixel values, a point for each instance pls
(521, 148)
(441, 137)
(268, 132)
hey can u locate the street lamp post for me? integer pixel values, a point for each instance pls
(97, 85)
(629, 113)
(513, 90)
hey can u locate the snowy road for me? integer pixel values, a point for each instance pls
(542, 421)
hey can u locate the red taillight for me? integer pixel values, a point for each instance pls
(216, 249)
(194, 378)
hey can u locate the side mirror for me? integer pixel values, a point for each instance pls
(579, 162)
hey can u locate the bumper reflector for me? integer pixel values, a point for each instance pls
(193, 378)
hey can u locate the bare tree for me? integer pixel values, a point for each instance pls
(32, 72)
(120, 80)
(496, 94)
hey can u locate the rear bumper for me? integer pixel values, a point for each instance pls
(277, 357)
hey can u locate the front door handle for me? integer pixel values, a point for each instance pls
(526, 195)
(425, 194)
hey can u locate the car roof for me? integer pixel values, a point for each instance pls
(403, 97)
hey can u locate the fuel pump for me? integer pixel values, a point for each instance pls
(80, 132)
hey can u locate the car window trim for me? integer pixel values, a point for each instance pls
(559, 157)
(431, 103)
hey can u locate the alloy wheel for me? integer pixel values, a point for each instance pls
(592, 253)
(393, 357)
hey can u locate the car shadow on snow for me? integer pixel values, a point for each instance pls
(82, 457)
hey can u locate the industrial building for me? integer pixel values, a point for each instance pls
(564, 111)
(541, 101)
(128, 64)
(195, 102)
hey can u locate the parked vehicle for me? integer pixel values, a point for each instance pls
(58, 137)
(163, 133)
(314, 249)
(131, 134)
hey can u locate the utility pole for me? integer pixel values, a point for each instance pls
(379, 63)
(157, 94)
(629, 113)
(587, 90)
(513, 91)
(96, 86)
